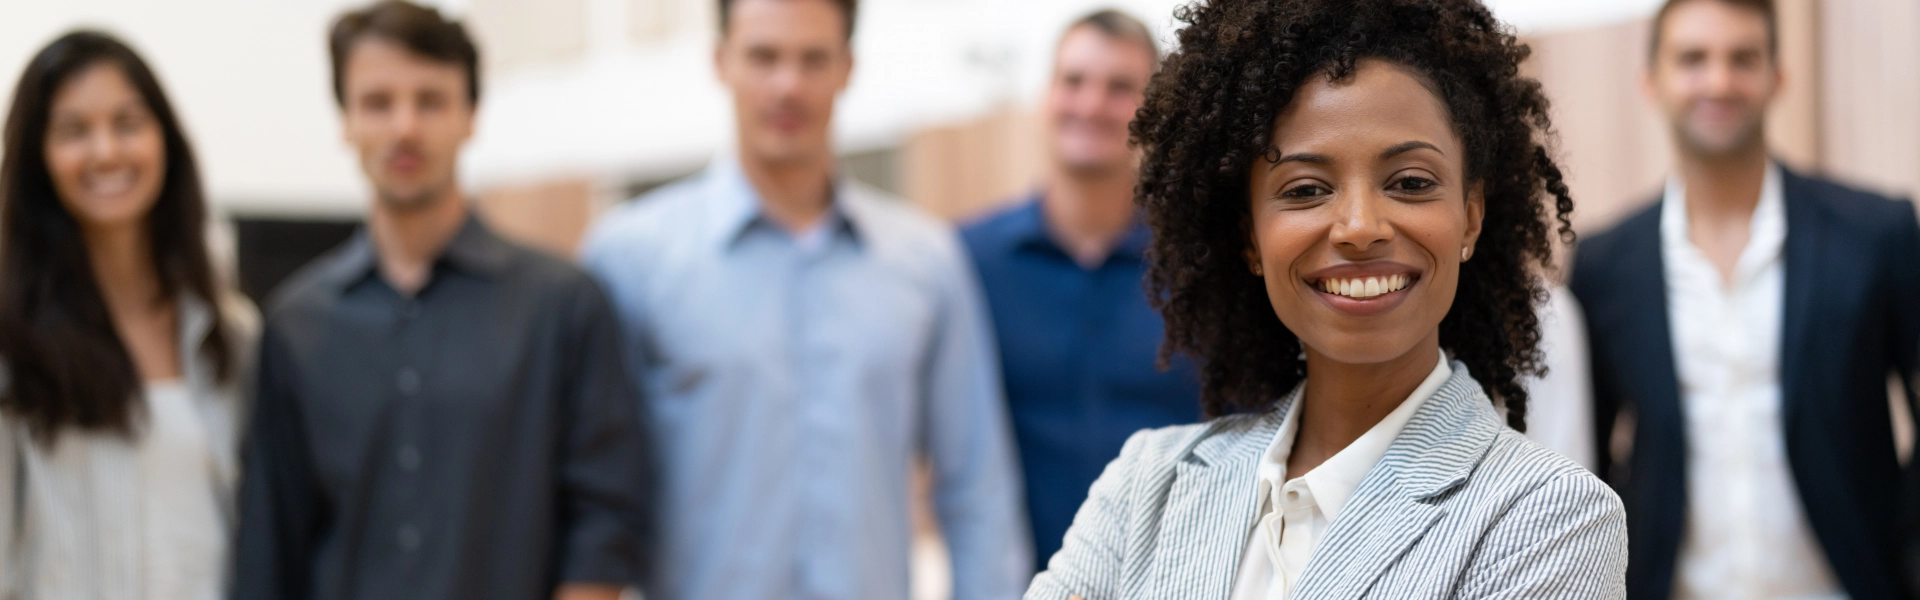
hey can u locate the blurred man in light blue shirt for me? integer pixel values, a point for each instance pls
(803, 339)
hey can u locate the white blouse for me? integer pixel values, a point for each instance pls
(183, 537)
(1295, 513)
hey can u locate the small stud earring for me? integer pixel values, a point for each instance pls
(1255, 267)
(1465, 253)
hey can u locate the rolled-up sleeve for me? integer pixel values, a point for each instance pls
(977, 494)
(606, 471)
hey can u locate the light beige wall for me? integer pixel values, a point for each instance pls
(515, 34)
(1793, 127)
(655, 20)
(522, 34)
(967, 168)
(1613, 147)
(1870, 87)
(549, 215)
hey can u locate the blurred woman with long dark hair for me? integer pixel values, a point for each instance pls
(120, 348)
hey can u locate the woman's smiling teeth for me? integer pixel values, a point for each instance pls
(109, 183)
(1364, 287)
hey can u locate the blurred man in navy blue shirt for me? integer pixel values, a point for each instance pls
(1063, 277)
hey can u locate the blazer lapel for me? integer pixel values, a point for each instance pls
(1209, 509)
(1803, 273)
(1640, 321)
(1392, 509)
(1392, 525)
(1652, 335)
(1646, 381)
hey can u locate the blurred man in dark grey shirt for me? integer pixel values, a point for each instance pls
(439, 413)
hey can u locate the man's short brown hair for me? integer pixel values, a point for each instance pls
(1764, 7)
(419, 29)
(1120, 26)
(848, 8)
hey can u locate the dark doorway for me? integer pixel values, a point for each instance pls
(271, 249)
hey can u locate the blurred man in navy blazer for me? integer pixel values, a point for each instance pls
(1747, 324)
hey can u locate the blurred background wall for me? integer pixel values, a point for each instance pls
(589, 102)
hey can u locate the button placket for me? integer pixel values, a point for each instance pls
(409, 383)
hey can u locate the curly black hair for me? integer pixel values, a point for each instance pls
(1208, 117)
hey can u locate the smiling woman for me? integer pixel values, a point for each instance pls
(120, 351)
(1459, 124)
(1351, 203)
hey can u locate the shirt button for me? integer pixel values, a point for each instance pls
(408, 380)
(408, 537)
(409, 458)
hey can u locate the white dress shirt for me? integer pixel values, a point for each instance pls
(1295, 513)
(1746, 530)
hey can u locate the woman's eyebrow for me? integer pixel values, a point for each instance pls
(1305, 157)
(1322, 159)
(1405, 147)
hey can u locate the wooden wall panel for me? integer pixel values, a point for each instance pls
(550, 215)
(964, 169)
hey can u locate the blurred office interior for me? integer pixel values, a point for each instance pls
(588, 102)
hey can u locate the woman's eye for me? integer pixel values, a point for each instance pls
(1304, 191)
(1413, 184)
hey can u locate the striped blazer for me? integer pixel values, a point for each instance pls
(1459, 507)
(70, 517)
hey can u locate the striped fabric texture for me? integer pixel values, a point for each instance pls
(1460, 507)
(71, 516)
